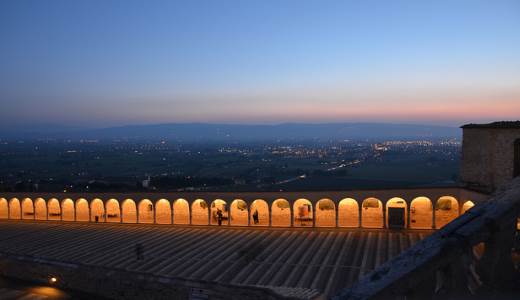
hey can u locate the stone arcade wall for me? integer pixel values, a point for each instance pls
(119, 284)
(448, 264)
(161, 208)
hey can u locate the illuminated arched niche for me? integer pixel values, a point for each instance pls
(372, 213)
(97, 210)
(113, 211)
(82, 210)
(302, 209)
(281, 213)
(181, 212)
(4, 208)
(262, 210)
(27, 209)
(348, 213)
(146, 211)
(53, 209)
(216, 205)
(163, 212)
(67, 208)
(199, 212)
(325, 213)
(467, 205)
(421, 213)
(15, 211)
(129, 211)
(40, 209)
(239, 213)
(446, 210)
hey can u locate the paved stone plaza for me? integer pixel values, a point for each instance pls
(318, 260)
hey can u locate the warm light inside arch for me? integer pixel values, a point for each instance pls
(261, 208)
(97, 210)
(4, 208)
(67, 207)
(466, 206)
(163, 212)
(348, 213)
(181, 212)
(40, 209)
(372, 213)
(325, 213)
(281, 213)
(82, 210)
(129, 211)
(421, 213)
(199, 212)
(446, 210)
(146, 211)
(27, 209)
(113, 211)
(216, 205)
(239, 213)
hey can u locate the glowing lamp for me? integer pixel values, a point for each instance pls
(53, 279)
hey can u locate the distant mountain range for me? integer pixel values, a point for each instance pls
(228, 132)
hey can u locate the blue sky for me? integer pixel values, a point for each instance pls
(104, 63)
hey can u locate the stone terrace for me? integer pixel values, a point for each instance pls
(300, 263)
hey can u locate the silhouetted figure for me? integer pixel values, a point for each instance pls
(255, 216)
(219, 217)
(96, 218)
(139, 251)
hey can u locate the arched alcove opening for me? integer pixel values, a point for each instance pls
(4, 209)
(181, 212)
(97, 211)
(302, 209)
(446, 209)
(396, 213)
(239, 213)
(129, 211)
(113, 211)
(40, 209)
(15, 211)
(348, 213)
(281, 213)
(67, 207)
(146, 209)
(163, 212)
(54, 210)
(27, 209)
(372, 213)
(260, 208)
(467, 205)
(421, 213)
(216, 206)
(199, 212)
(82, 210)
(325, 213)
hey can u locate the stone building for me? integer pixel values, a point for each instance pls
(490, 154)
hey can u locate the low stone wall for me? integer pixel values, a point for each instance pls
(120, 284)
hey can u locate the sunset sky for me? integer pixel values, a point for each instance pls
(105, 63)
